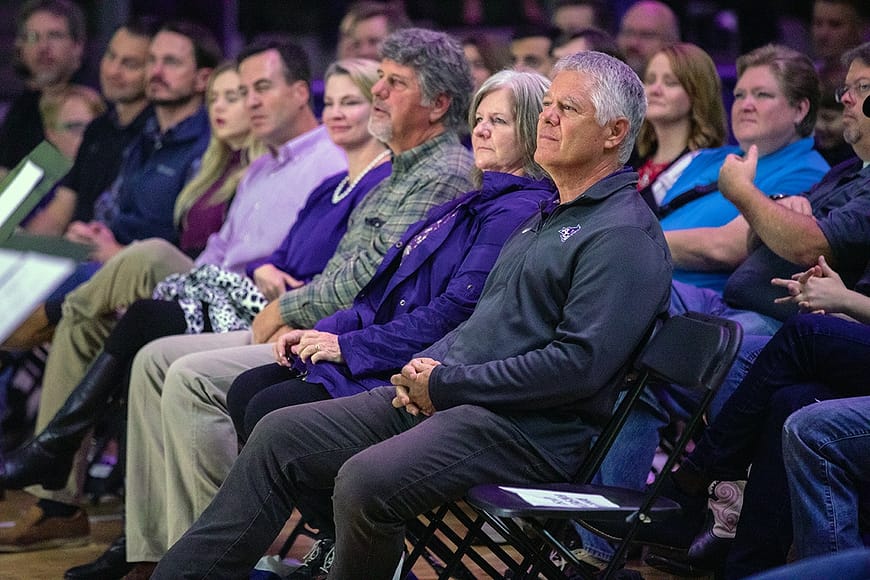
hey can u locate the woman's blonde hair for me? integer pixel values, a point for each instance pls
(49, 107)
(707, 123)
(363, 72)
(214, 163)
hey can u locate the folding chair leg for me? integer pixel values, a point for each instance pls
(533, 560)
(300, 529)
(472, 532)
(421, 540)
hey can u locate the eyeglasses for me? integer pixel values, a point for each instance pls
(859, 90)
(77, 127)
(52, 36)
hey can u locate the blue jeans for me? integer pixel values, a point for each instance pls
(813, 357)
(825, 448)
(629, 460)
(851, 565)
(628, 463)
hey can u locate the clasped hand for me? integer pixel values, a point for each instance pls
(412, 387)
(308, 345)
(819, 289)
(96, 234)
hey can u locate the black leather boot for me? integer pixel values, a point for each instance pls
(47, 458)
(111, 565)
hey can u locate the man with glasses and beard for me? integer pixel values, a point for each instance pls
(49, 42)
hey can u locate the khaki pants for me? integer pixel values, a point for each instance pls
(89, 315)
(181, 442)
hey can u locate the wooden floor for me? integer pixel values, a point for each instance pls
(106, 525)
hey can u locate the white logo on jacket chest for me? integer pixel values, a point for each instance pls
(567, 232)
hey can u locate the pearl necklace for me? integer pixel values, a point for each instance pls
(345, 186)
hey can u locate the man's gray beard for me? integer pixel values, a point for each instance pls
(381, 132)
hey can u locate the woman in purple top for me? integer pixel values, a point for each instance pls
(217, 301)
(304, 251)
(211, 299)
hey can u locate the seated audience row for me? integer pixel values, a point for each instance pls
(764, 532)
(301, 150)
(429, 168)
(833, 226)
(714, 209)
(478, 404)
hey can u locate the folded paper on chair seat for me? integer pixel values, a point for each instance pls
(546, 498)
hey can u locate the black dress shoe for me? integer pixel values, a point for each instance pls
(709, 551)
(706, 556)
(675, 533)
(32, 464)
(111, 565)
(674, 563)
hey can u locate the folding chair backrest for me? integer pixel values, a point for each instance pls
(693, 350)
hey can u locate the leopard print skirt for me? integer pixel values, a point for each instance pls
(229, 300)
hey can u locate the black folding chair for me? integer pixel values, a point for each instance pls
(302, 528)
(694, 351)
(21, 379)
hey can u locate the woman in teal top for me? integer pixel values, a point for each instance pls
(775, 104)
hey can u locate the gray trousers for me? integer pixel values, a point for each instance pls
(357, 461)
